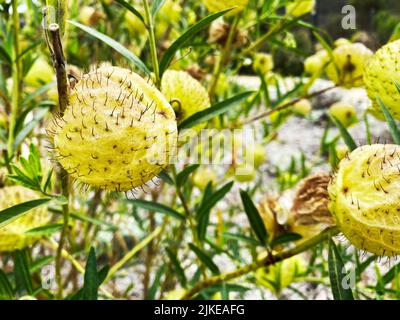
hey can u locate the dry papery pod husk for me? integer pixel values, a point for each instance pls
(219, 33)
(302, 210)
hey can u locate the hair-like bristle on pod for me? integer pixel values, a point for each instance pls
(364, 198)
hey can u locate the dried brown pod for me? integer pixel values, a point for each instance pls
(302, 210)
(310, 204)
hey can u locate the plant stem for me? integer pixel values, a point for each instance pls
(57, 55)
(16, 75)
(132, 253)
(266, 261)
(152, 42)
(287, 105)
(223, 58)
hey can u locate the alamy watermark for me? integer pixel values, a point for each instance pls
(349, 20)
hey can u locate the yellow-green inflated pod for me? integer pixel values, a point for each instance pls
(299, 8)
(221, 5)
(364, 198)
(344, 112)
(118, 131)
(263, 63)
(13, 235)
(187, 97)
(315, 63)
(380, 75)
(348, 64)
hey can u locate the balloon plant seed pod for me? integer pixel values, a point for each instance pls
(364, 198)
(302, 209)
(348, 64)
(118, 131)
(220, 5)
(380, 76)
(187, 96)
(13, 236)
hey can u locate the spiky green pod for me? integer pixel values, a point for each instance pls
(118, 131)
(364, 198)
(13, 236)
(380, 75)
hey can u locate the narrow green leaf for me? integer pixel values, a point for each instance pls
(205, 259)
(365, 264)
(184, 174)
(10, 214)
(44, 230)
(347, 138)
(6, 291)
(337, 273)
(163, 175)
(23, 279)
(254, 217)
(397, 84)
(156, 283)
(285, 238)
(157, 207)
(4, 55)
(92, 220)
(131, 9)
(214, 111)
(156, 6)
(91, 284)
(115, 45)
(390, 275)
(241, 237)
(394, 130)
(177, 267)
(40, 263)
(37, 93)
(208, 202)
(48, 180)
(101, 276)
(185, 39)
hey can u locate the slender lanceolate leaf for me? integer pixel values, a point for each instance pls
(214, 111)
(27, 129)
(208, 202)
(205, 259)
(285, 238)
(164, 176)
(151, 295)
(6, 290)
(184, 174)
(115, 45)
(394, 130)
(4, 55)
(156, 6)
(254, 217)
(10, 214)
(397, 84)
(185, 38)
(131, 9)
(347, 138)
(44, 230)
(101, 276)
(157, 207)
(391, 274)
(91, 283)
(177, 267)
(23, 279)
(337, 273)
(241, 237)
